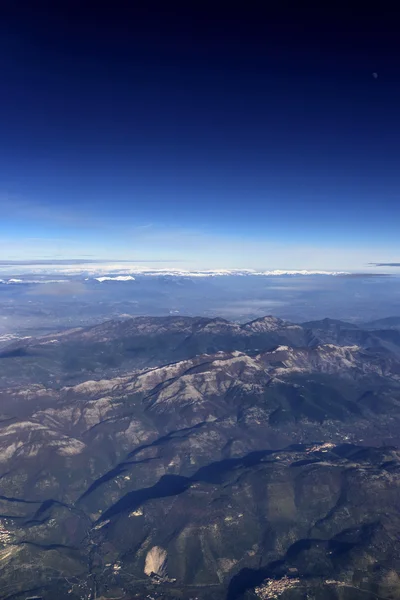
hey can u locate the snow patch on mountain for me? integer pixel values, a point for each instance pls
(14, 281)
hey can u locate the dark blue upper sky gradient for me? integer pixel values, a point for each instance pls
(227, 137)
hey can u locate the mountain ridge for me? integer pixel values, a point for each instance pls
(231, 471)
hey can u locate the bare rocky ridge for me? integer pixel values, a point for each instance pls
(256, 460)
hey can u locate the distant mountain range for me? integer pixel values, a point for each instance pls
(125, 273)
(177, 457)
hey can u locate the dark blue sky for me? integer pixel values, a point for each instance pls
(222, 137)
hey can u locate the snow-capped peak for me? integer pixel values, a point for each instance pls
(118, 278)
